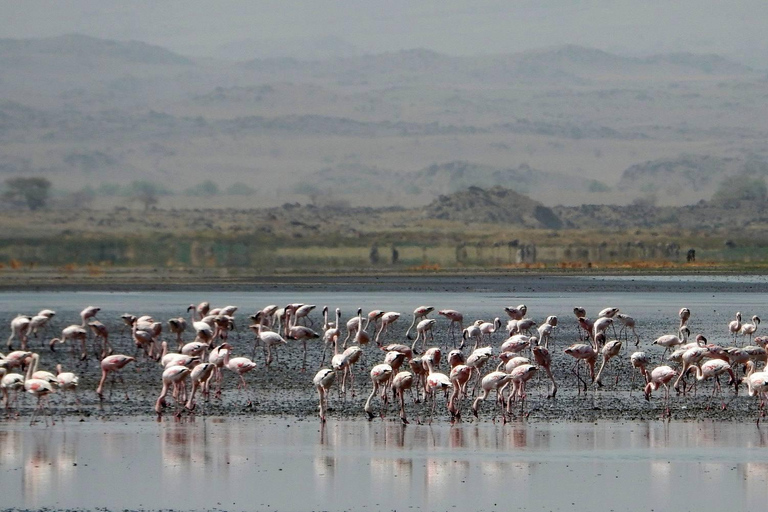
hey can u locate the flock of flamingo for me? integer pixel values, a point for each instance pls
(412, 367)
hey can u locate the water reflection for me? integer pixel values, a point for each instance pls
(204, 462)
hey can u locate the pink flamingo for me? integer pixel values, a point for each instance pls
(68, 381)
(586, 353)
(420, 313)
(424, 327)
(757, 385)
(609, 351)
(543, 358)
(200, 376)
(380, 376)
(519, 376)
(400, 383)
(20, 328)
(323, 381)
(88, 313)
(100, 330)
(172, 376)
(660, 376)
(494, 381)
(75, 333)
(386, 320)
(435, 381)
(456, 318)
(177, 326)
(111, 364)
(240, 366)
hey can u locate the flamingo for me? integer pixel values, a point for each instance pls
(459, 376)
(420, 313)
(41, 320)
(520, 326)
(110, 364)
(143, 340)
(200, 376)
(332, 331)
(494, 381)
(424, 327)
(639, 360)
(387, 319)
(660, 376)
(735, 326)
(586, 353)
(684, 315)
(519, 376)
(88, 313)
(172, 376)
(268, 339)
(193, 348)
(588, 326)
(100, 330)
(599, 327)
(303, 311)
(400, 383)
(68, 381)
(627, 323)
(547, 329)
(757, 385)
(516, 344)
(690, 357)
(240, 366)
(435, 381)
(303, 333)
(543, 358)
(40, 388)
(488, 328)
(177, 326)
(20, 328)
(712, 369)
(351, 355)
(12, 381)
(322, 381)
(670, 340)
(72, 332)
(610, 350)
(748, 329)
(516, 313)
(477, 360)
(361, 335)
(456, 318)
(380, 376)
(217, 356)
(472, 331)
(608, 312)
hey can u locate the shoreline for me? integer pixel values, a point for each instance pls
(525, 280)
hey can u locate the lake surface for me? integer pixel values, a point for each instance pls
(283, 464)
(290, 463)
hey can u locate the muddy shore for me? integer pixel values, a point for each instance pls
(285, 388)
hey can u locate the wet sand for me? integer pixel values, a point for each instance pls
(285, 389)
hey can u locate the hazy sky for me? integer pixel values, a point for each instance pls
(196, 27)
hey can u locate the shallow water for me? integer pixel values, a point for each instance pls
(284, 464)
(290, 463)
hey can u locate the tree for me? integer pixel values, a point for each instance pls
(205, 189)
(34, 191)
(740, 188)
(144, 192)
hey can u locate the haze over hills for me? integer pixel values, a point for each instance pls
(564, 125)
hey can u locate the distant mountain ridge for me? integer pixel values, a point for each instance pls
(86, 47)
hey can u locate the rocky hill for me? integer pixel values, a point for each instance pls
(494, 205)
